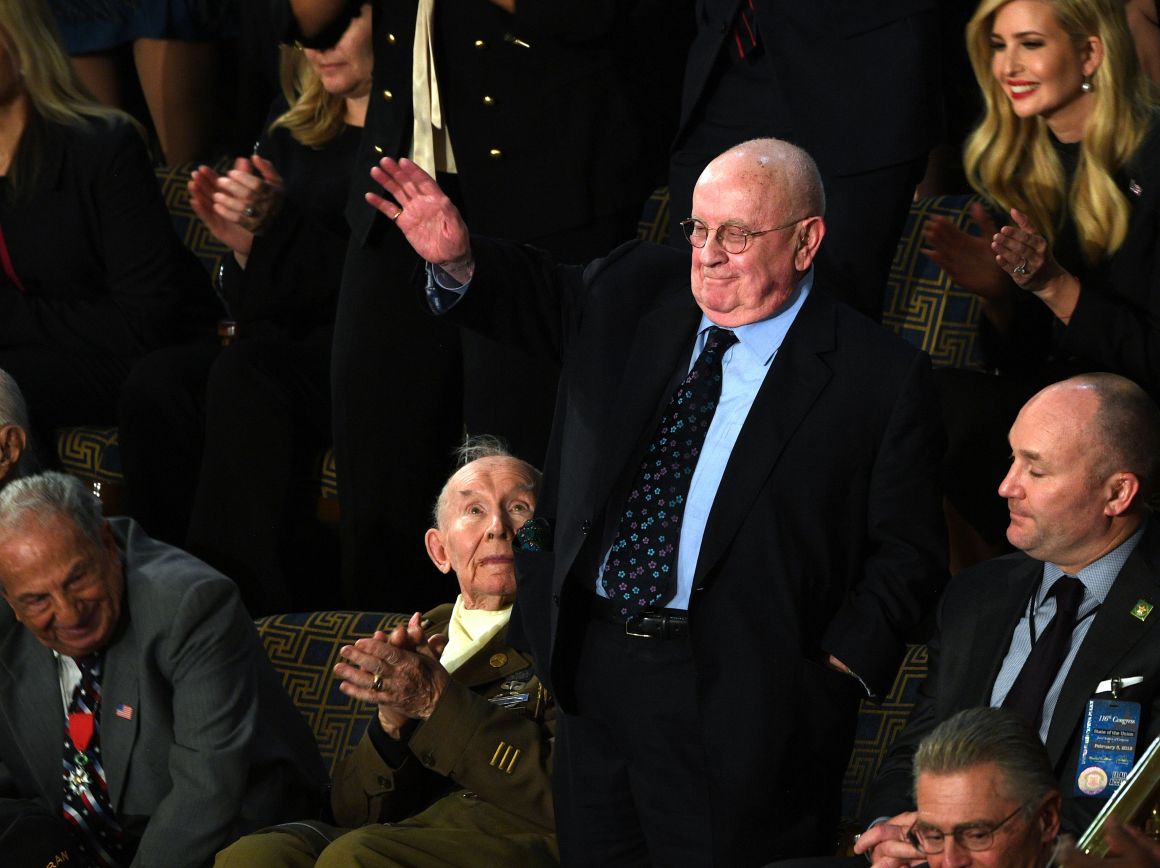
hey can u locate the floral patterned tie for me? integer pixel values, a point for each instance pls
(641, 569)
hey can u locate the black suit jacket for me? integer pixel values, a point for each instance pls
(860, 80)
(540, 112)
(94, 247)
(977, 616)
(825, 535)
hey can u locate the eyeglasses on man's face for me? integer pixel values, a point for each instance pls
(977, 836)
(732, 238)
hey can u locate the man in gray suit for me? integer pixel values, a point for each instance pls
(177, 734)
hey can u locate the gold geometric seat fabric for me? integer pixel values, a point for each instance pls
(878, 725)
(304, 648)
(922, 305)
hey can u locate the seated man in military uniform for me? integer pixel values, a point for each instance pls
(455, 769)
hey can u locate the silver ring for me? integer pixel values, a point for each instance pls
(1021, 268)
(250, 211)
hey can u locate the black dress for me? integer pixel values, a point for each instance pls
(253, 416)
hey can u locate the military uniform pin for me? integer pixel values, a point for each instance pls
(1142, 609)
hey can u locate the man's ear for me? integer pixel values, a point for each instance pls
(13, 442)
(809, 241)
(436, 550)
(1049, 817)
(1122, 490)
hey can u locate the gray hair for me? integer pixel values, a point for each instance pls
(475, 448)
(14, 411)
(47, 496)
(979, 736)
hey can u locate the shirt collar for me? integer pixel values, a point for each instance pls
(763, 338)
(1098, 576)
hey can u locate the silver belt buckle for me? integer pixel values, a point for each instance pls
(628, 631)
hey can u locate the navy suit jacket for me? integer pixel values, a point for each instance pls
(977, 616)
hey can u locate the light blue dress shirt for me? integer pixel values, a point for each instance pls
(1097, 578)
(743, 370)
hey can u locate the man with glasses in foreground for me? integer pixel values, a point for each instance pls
(739, 521)
(986, 793)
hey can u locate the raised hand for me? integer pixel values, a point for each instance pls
(887, 845)
(1024, 253)
(432, 225)
(250, 193)
(202, 186)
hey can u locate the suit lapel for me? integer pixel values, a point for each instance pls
(997, 615)
(31, 705)
(1113, 633)
(793, 383)
(119, 687)
(658, 359)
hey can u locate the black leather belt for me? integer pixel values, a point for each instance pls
(650, 624)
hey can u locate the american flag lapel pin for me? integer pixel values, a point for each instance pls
(1135, 189)
(124, 711)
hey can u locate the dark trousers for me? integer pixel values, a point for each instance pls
(629, 767)
(213, 440)
(31, 836)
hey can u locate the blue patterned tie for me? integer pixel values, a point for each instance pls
(641, 569)
(86, 794)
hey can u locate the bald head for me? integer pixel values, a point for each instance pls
(1083, 455)
(784, 173)
(1121, 423)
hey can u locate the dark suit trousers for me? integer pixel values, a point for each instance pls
(629, 768)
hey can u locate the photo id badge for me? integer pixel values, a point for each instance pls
(1108, 746)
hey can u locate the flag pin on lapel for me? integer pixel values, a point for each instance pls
(126, 711)
(1142, 609)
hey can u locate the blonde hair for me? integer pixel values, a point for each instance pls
(1011, 160)
(54, 92)
(315, 117)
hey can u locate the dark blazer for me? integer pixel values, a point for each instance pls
(213, 747)
(860, 80)
(537, 104)
(977, 616)
(825, 536)
(94, 247)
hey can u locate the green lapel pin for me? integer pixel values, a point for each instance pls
(1142, 609)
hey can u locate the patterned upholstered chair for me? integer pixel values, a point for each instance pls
(922, 305)
(878, 725)
(304, 648)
